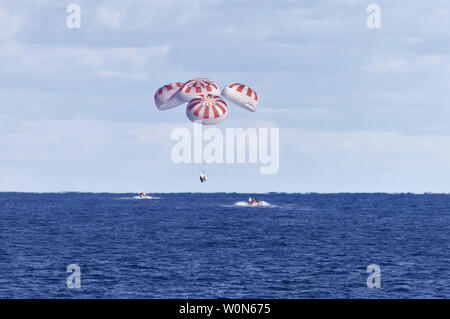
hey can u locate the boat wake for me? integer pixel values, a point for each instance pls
(260, 203)
(145, 197)
(139, 197)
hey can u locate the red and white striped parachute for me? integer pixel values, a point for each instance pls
(207, 109)
(193, 88)
(165, 97)
(241, 95)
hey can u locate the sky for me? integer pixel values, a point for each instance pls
(359, 109)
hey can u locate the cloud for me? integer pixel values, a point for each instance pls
(22, 58)
(110, 17)
(115, 74)
(92, 155)
(382, 64)
(412, 63)
(50, 155)
(366, 161)
(10, 24)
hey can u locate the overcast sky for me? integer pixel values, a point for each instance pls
(359, 109)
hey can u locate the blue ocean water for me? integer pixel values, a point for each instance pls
(213, 246)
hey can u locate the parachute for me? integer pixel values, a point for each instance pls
(193, 88)
(210, 109)
(241, 95)
(205, 102)
(165, 96)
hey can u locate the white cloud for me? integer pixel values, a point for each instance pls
(411, 63)
(126, 75)
(79, 155)
(128, 156)
(10, 24)
(20, 59)
(367, 161)
(435, 21)
(386, 64)
(110, 17)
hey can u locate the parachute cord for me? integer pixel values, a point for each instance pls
(203, 168)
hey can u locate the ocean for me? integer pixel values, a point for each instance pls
(216, 246)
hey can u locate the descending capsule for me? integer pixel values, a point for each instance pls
(208, 110)
(241, 95)
(166, 98)
(193, 88)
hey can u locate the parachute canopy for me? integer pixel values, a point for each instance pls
(193, 88)
(210, 109)
(241, 95)
(165, 96)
